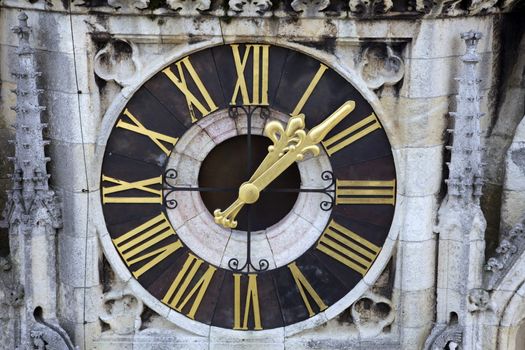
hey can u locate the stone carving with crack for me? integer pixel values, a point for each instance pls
(381, 66)
(250, 7)
(122, 310)
(310, 8)
(189, 7)
(371, 314)
(118, 61)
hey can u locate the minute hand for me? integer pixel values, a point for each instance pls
(301, 144)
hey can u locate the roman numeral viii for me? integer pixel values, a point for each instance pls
(348, 247)
(178, 295)
(155, 195)
(181, 83)
(351, 134)
(365, 192)
(259, 92)
(159, 139)
(134, 245)
(251, 302)
(306, 290)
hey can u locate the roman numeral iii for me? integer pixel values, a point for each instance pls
(365, 192)
(259, 89)
(133, 245)
(306, 290)
(179, 288)
(351, 134)
(154, 197)
(181, 83)
(348, 247)
(251, 303)
(159, 139)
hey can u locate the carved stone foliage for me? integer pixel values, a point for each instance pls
(122, 310)
(371, 314)
(370, 7)
(189, 7)
(479, 6)
(310, 8)
(380, 65)
(250, 7)
(508, 251)
(307, 8)
(117, 61)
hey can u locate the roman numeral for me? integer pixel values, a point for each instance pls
(142, 185)
(133, 244)
(309, 89)
(260, 55)
(351, 134)
(365, 192)
(348, 248)
(305, 287)
(178, 289)
(191, 100)
(251, 303)
(138, 128)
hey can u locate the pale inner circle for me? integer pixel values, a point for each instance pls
(280, 243)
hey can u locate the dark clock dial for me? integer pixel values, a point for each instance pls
(186, 142)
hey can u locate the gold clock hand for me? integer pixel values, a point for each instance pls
(290, 145)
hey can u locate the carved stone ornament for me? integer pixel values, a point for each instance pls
(138, 4)
(508, 251)
(118, 61)
(250, 7)
(189, 7)
(479, 300)
(381, 66)
(371, 314)
(479, 6)
(122, 310)
(310, 8)
(370, 7)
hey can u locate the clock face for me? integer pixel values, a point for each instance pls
(247, 187)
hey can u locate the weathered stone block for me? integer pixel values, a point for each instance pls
(420, 170)
(424, 209)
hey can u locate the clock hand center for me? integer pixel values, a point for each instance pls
(248, 193)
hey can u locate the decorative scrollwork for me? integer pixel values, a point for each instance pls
(170, 189)
(264, 111)
(329, 190)
(233, 264)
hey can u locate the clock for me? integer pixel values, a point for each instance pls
(247, 187)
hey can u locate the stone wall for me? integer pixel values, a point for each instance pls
(93, 54)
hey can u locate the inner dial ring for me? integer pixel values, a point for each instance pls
(280, 243)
